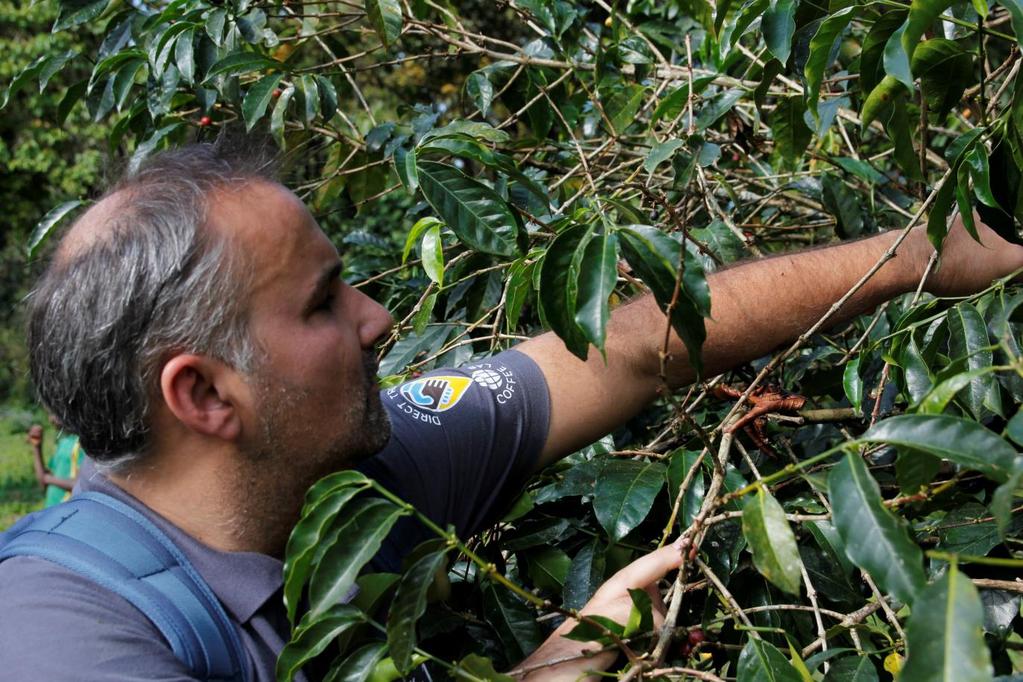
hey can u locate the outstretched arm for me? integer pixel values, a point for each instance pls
(756, 307)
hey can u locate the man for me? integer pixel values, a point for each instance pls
(214, 365)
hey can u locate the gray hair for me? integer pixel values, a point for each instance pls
(103, 320)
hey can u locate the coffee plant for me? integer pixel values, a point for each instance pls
(493, 169)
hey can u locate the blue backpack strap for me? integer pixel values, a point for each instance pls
(118, 548)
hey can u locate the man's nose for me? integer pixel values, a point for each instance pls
(374, 320)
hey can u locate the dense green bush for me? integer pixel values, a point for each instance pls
(520, 165)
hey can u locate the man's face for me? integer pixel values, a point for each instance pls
(316, 405)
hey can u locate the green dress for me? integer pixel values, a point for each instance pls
(64, 464)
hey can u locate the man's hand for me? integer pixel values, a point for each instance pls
(966, 266)
(612, 601)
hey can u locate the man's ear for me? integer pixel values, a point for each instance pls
(203, 394)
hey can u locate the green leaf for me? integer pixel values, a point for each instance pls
(980, 171)
(778, 26)
(922, 15)
(585, 575)
(789, 129)
(772, 542)
(51, 65)
(71, 98)
(821, 45)
(277, 127)
(239, 63)
(761, 661)
(22, 79)
(477, 130)
(896, 58)
(641, 615)
(328, 97)
(716, 107)
(875, 539)
(880, 101)
(45, 227)
(624, 494)
(660, 153)
(258, 98)
(968, 339)
(308, 533)
(945, 70)
(959, 440)
(477, 215)
(513, 620)
(480, 668)
(1002, 502)
(405, 166)
(1015, 8)
(76, 12)
(678, 466)
(939, 397)
(519, 285)
(861, 169)
(852, 383)
(548, 568)
(598, 273)
(310, 92)
(843, 203)
(919, 379)
(409, 605)
(215, 21)
(559, 287)
(852, 669)
(945, 633)
(655, 258)
(872, 54)
(357, 541)
(313, 636)
(623, 105)
(184, 55)
(385, 16)
(915, 469)
(432, 252)
(672, 104)
(480, 90)
(359, 665)
(937, 219)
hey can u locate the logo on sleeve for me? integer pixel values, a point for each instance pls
(436, 393)
(497, 377)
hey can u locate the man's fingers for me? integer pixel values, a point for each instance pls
(646, 569)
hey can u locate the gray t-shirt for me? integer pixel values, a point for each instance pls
(463, 443)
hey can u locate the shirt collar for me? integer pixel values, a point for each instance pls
(242, 581)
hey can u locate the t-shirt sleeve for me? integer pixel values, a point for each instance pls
(56, 625)
(463, 443)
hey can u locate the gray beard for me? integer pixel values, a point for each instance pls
(275, 471)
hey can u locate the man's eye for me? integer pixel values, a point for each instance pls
(327, 304)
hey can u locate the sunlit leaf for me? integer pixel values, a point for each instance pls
(945, 634)
(772, 542)
(624, 494)
(477, 215)
(385, 16)
(875, 539)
